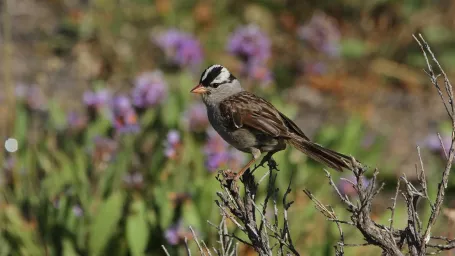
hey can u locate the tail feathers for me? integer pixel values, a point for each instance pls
(322, 155)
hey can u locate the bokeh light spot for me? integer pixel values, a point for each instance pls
(11, 145)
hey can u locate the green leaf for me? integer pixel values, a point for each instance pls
(18, 228)
(172, 114)
(352, 133)
(105, 222)
(98, 128)
(68, 248)
(164, 205)
(148, 118)
(191, 215)
(56, 113)
(21, 126)
(137, 228)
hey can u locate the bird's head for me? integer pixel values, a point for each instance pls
(216, 84)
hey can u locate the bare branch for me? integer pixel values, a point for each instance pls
(243, 209)
(165, 251)
(197, 242)
(394, 204)
(188, 251)
(442, 186)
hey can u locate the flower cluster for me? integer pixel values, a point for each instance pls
(96, 102)
(181, 49)
(124, 116)
(76, 122)
(253, 47)
(150, 90)
(97, 99)
(172, 143)
(322, 34)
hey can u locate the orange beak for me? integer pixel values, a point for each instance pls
(199, 89)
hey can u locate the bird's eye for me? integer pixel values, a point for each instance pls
(215, 85)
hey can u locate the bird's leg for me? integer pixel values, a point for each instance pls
(256, 154)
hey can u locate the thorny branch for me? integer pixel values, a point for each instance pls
(414, 236)
(265, 233)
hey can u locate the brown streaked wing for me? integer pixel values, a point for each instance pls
(249, 110)
(293, 127)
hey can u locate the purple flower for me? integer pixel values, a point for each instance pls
(172, 143)
(176, 233)
(218, 153)
(32, 96)
(173, 234)
(195, 118)
(345, 187)
(250, 44)
(76, 121)
(124, 116)
(77, 210)
(180, 48)
(432, 143)
(322, 33)
(253, 47)
(150, 89)
(98, 99)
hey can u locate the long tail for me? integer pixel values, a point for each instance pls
(322, 155)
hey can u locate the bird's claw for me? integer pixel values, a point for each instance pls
(228, 174)
(270, 163)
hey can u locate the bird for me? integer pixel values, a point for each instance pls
(253, 125)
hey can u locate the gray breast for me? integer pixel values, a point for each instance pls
(240, 138)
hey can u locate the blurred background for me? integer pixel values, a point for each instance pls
(115, 157)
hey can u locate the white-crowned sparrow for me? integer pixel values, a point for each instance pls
(253, 125)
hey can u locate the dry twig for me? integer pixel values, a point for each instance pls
(414, 236)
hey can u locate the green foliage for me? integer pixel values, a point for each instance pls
(105, 222)
(67, 199)
(137, 228)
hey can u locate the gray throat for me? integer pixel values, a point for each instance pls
(213, 98)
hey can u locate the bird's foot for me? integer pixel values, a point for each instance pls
(261, 164)
(228, 174)
(272, 164)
